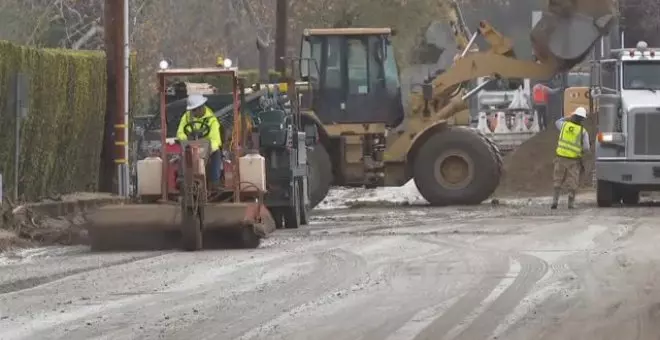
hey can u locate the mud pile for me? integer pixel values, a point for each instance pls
(528, 169)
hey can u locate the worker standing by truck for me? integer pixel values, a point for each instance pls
(540, 95)
(572, 143)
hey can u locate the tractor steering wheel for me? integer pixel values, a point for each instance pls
(197, 130)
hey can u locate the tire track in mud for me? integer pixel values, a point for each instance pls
(532, 269)
(422, 305)
(397, 286)
(237, 303)
(335, 269)
(34, 282)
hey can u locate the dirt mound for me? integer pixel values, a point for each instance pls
(528, 170)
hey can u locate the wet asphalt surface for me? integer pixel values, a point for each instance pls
(511, 271)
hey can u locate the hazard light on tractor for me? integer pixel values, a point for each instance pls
(223, 62)
(164, 64)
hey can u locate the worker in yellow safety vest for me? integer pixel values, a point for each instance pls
(197, 112)
(572, 144)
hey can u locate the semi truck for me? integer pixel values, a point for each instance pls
(627, 147)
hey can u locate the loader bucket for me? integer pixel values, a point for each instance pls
(569, 29)
(158, 226)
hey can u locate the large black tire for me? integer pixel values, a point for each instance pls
(277, 217)
(292, 214)
(320, 174)
(474, 158)
(605, 193)
(249, 239)
(191, 231)
(304, 208)
(630, 196)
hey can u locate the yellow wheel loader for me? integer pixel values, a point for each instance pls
(366, 136)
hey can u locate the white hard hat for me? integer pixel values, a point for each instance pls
(195, 101)
(581, 112)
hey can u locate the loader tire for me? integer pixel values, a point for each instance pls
(320, 174)
(191, 231)
(457, 166)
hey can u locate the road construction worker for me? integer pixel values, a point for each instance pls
(197, 112)
(540, 96)
(573, 142)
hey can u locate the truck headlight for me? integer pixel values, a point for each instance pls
(163, 64)
(610, 137)
(227, 63)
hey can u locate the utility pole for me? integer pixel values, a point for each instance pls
(107, 170)
(121, 137)
(114, 157)
(281, 21)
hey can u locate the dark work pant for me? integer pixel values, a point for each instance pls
(543, 116)
(214, 168)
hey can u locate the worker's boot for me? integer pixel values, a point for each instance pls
(555, 199)
(571, 199)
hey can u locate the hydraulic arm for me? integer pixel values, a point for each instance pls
(562, 38)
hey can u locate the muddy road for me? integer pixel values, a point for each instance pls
(413, 273)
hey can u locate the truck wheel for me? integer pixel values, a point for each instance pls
(292, 214)
(191, 231)
(249, 239)
(457, 166)
(304, 208)
(630, 196)
(320, 175)
(605, 193)
(277, 217)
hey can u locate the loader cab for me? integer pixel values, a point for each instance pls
(354, 76)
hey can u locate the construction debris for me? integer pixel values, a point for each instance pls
(52, 221)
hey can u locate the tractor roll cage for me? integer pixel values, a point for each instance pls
(211, 71)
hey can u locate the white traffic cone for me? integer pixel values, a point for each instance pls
(482, 123)
(520, 123)
(535, 124)
(501, 123)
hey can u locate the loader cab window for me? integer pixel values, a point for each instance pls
(639, 75)
(391, 71)
(311, 48)
(333, 63)
(358, 74)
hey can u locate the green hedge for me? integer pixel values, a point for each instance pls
(61, 138)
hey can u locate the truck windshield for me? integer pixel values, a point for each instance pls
(641, 75)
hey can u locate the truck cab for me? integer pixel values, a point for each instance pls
(628, 140)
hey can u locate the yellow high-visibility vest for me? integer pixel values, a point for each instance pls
(214, 134)
(570, 141)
